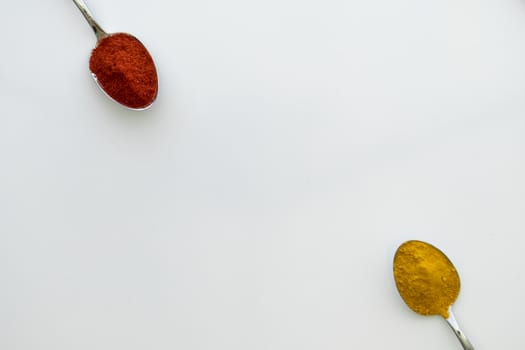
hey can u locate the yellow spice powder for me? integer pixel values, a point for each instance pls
(425, 278)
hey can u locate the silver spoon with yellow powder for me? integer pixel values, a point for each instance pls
(428, 283)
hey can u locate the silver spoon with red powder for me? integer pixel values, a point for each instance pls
(122, 66)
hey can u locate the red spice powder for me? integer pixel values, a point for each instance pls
(125, 70)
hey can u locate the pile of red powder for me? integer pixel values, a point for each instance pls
(125, 70)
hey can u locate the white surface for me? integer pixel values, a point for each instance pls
(294, 145)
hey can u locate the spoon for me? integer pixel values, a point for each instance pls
(121, 66)
(428, 283)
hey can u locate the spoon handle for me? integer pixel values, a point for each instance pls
(451, 320)
(99, 32)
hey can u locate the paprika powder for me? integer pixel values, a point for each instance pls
(125, 70)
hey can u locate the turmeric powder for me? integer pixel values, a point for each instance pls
(425, 278)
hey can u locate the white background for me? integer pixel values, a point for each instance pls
(257, 206)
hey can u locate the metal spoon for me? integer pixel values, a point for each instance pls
(415, 269)
(118, 91)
